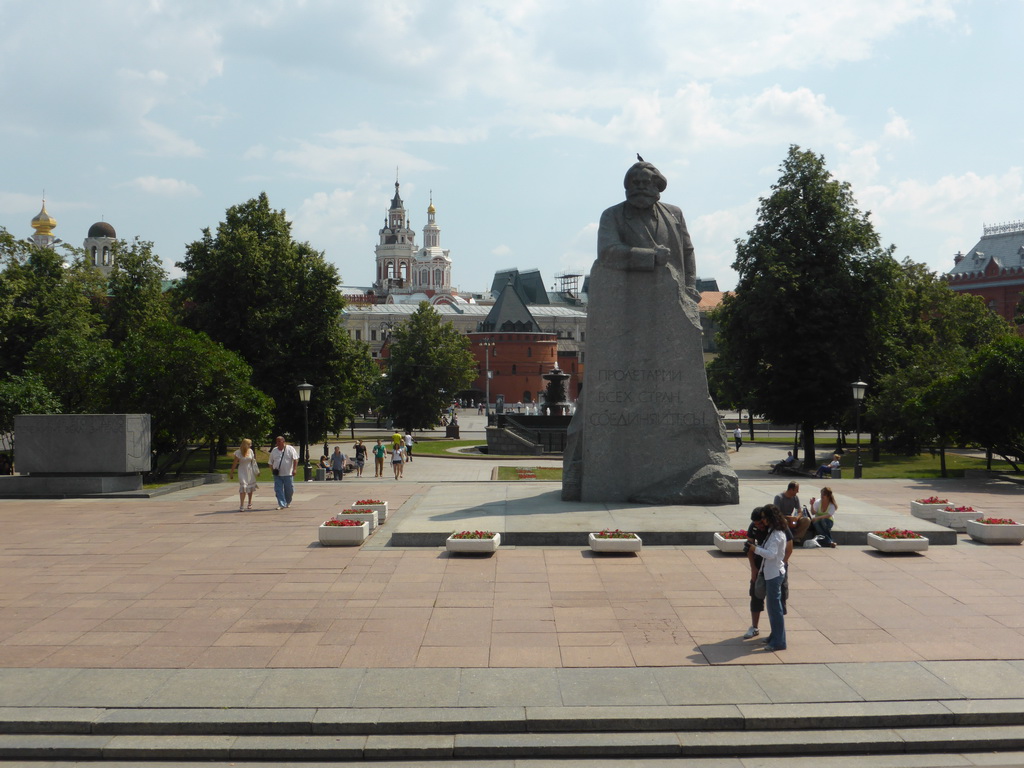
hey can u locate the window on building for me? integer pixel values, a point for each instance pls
(583, 335)
(359, 335)
(373, 335)
(529, 351)
(569, 335)
(513, 369)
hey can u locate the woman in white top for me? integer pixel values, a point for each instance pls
(823, 512)
(248, 471)
(773, 554)
(397, 460)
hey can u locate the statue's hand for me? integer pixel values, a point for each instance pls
(661, 254)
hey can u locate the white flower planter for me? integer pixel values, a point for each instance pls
(729, 545)
(598, 544)
(995, 534)
(344, 535)
(898, 545)
(956, 520)
(362, 516)
(473, 545)
(381, 510)
(926, 511)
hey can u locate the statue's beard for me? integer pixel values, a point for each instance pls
(642, 199)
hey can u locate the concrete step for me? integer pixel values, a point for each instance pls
(510, 733)
(499, 746)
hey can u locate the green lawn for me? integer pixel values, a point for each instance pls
(427, 447)
(540, 473)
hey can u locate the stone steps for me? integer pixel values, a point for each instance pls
(521, 733)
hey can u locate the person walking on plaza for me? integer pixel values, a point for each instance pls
(338, 463)
(789, 504)
(284, 460)
(360, 451)
(398, 460)
(397, 441)
(408, 444)
(738, 437)
(773, 566)
(248, 471)
(379, 452)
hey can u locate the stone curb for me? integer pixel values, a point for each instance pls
(645, 744)
(325, 721)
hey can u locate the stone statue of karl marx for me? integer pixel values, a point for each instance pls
(645, 429)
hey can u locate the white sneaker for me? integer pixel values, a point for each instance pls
(752, 632)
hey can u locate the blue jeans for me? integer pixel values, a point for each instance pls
(773, 602)
(823, 527)
(284, 488)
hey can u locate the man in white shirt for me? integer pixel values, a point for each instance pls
(283, 462)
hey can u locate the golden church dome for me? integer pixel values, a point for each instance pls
(43, 223)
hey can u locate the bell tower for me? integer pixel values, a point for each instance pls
(395, 250)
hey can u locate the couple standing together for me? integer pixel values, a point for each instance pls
(284, 460)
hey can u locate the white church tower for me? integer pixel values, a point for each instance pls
(99, 246)
(432, 272)
(395, 251)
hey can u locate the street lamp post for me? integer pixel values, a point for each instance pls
(305, 390)
(858, 396)
(487, 344)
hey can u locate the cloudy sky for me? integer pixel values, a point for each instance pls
(520, 117)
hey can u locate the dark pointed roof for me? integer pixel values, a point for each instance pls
(510, 314)
(396, 201)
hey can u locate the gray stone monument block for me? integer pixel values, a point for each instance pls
(82, 444)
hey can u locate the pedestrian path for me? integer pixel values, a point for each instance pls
(182, 609)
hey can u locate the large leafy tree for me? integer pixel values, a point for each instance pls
(193, 387)
(40, 297)
(276, 302)
(812, 303)
(933, 337)
(986, 402)
(135, 289)
(429, 363)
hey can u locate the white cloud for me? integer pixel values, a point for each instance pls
(951, 209)
(501, 250)
(153, 185)
(255, 152)
(166, 142)
(897, 127)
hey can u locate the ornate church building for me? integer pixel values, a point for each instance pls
(405, 273)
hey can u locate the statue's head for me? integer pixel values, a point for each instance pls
(644, 184)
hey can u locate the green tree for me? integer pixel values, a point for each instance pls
(430, 362)
(41, 296)
(812, 304)
(933, 337)
(24, 394)
(277, 303)
(193, 388)
(987, 402)
(135, 289)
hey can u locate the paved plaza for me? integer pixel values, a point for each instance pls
(181, 600)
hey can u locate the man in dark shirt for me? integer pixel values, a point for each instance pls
(789, 503)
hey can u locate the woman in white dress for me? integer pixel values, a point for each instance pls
(248, 471)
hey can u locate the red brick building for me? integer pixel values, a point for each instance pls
(513, 353)
(993, 269)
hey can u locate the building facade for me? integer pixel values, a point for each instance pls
(993, 269)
